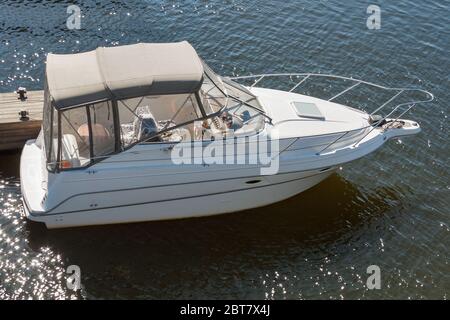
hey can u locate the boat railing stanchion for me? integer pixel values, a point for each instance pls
(333, 142)
(257, 81)
(404, 112)
(346, 90)
(299, 83)
(387, 102)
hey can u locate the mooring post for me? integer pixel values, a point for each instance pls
(22, 92)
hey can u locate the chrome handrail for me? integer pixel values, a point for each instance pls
(356, 83)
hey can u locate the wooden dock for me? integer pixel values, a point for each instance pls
(13, 131)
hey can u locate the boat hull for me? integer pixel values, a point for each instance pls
(259, 193)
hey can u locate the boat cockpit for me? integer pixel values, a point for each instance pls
(76, 135)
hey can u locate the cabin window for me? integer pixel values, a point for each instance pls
(47, 122)
(102, 129)
(50, 130)
(87, 134)
(75, 138)
(51, 144)
(141, 119)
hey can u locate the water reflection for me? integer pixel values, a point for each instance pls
(9, 164)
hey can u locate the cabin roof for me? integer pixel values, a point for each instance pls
(123, 72)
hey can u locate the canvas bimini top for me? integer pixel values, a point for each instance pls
(123, 72)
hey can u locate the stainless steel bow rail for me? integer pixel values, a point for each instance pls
(394, 115)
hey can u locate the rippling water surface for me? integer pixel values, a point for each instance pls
(390, 208)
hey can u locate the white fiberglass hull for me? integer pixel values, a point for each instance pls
(259, 192)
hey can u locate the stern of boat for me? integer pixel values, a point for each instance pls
(32, 180)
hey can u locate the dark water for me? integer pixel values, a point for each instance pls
(390, 209)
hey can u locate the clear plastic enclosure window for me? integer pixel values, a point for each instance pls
(87, 134)
(102, 129)
(141, 119)
(75, 140)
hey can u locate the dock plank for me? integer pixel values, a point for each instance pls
(14, 132)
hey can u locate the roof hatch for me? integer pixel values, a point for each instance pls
(307, 110)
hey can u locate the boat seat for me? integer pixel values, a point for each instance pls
(69, 150)
(251, 127)
(101, 137)
(146, 126)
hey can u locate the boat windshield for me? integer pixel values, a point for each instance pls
(221, 92)
(234, 108)
(213, 91)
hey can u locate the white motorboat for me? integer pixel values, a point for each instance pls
(149, 132)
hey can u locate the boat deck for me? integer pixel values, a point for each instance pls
(14, 132)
